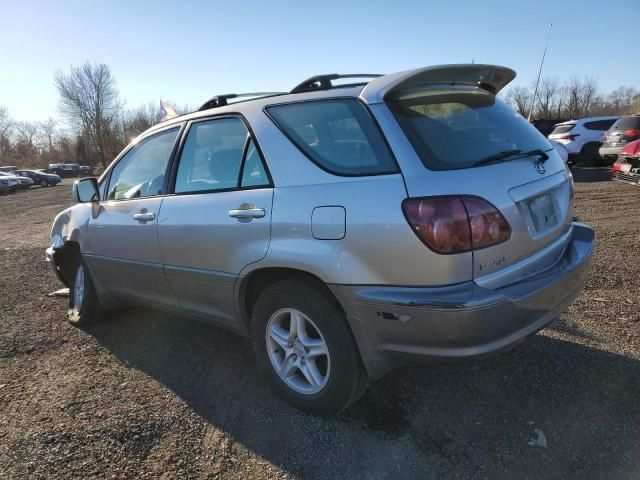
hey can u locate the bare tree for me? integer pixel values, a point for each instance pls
(138, 120)
(547, 97)
(580, 96)
(49, 130)
(27, 133)
(6, 123)
(89, 101)
(520, 98)
(623, 100)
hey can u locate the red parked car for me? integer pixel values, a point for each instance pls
(627, 167)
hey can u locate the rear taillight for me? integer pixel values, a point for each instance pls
(570, 137)
(632, 133)
(456, 224)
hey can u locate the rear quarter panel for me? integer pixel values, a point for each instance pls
(378, 247)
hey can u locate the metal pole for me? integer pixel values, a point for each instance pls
(535, 93)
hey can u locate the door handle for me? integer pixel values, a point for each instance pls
(144, 217)
(247, 213)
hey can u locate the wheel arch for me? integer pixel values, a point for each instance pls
(251, 285)
(66, 259)
(590, 144)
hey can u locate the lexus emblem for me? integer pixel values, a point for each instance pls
(540, 167)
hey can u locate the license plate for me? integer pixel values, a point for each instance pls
(625, 167)
(543, 212)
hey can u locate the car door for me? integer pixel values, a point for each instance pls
(122, 242)
(218, 219)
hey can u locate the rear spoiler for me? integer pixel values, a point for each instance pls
(492, 78)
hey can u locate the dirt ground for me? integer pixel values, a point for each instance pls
(150, 395)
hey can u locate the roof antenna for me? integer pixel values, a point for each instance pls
(535, 92)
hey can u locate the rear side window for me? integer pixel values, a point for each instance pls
(212, 156)
(564, 128)
(214, 153)
(625, 123)
(600, 125)
(337, 134)
(453, 128)
(253, 172)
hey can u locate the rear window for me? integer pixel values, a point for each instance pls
(455, 128)
(600, 125)
(337, 134)
(625, 123)
(564, 128)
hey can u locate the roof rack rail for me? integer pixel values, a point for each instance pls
(323, 82)
(222, 100)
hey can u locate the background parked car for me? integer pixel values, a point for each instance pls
(626, 129)
(65, 170)
(583, 137)
(21, 182)
(627, 167)
(41, 178)
(8, 169)
(4, 186)
(14, 182)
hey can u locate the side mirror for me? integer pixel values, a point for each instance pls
(86, 190)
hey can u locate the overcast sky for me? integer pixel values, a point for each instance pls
(188, 51)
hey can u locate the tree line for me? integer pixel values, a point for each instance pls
(94, 126)
(574, 98)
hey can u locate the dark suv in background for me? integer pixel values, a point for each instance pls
(626, 129)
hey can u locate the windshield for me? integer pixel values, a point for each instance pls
(452, 128)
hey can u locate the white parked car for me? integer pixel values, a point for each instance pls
(582, 138)
(17, 181)
(13, 181)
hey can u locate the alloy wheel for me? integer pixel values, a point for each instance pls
(78, 290)
(298, 352)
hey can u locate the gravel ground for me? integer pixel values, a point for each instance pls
(150, 395)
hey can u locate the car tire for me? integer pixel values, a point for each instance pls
(292, 359)
(43, 183)
(84, 306)
(589, 154)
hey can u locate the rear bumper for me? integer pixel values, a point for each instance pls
(609, 152)
(394, 326)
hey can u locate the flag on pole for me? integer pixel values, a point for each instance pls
(167, 112)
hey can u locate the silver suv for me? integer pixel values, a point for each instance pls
(349, 226)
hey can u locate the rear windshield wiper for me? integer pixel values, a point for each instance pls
(505, 154)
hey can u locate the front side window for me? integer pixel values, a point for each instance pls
(212, 156)
(452, 128)
(141, 172)
(337, 134)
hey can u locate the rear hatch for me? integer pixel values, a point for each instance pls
(623, 131)
(563, 133)
(470, 143)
